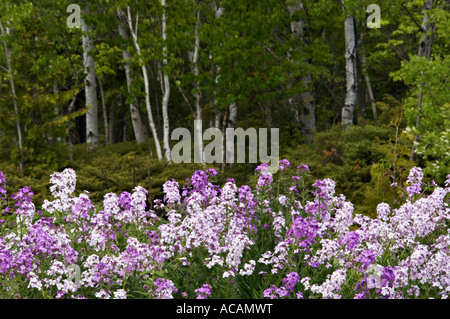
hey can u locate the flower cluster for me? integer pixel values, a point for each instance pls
(244, 242)
(204, 292)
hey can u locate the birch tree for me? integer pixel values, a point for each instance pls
(133, 32)
(139, 129)
(90, 84)
(351, 92)
(166, 86)
(197, 92)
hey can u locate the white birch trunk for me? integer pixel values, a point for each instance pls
(140, 132)
(218, 114)
(217, 118)
(197, 94)
(350, 70)
(146, 86)
(13, 92)
(90, 87)
(166, 83)
(233, 112)
(425, 43)
(233, 115)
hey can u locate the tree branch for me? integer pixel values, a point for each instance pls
(412, 17)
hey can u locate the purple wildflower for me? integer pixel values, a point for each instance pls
(124, 200)
(2, 186)
(264, 181)
(212, 172)
(262, 167)
(303, 168)
(388, 276)
(415, 179)
(270, 292)
(283, 164)
(366, 258)
(164, 289)
(304, 231)
(204, 292)
(291, 281)
(171, 191)
(350, 239)
(25, 208)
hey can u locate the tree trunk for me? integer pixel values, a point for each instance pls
(105, 114)
(348, 110)
(224, 128)
(166, 95)
(155, 93)
(360, 91)
(124, 118)
(91, 86)
(232, 124)
(233, 115)
(140, 132)
(197, 94)
(217, 117)
(369, 89)
(68, 123)
(111, 122)
(146, 86)
(13, 92)
(218, 113)
(57, 110)
(306, 115)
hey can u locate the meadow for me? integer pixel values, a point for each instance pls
(281, 237)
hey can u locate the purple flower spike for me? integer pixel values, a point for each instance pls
(204, 292)
(284, 163)
(415, 179)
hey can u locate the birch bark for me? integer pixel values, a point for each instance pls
(139, 129)
(197, 94)
(146, 86)
(348, 109)
(166, 84)
(90, 85)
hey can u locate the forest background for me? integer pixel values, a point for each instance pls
(358, 102)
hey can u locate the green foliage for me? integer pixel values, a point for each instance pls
(247, 56)
(121, 167)
(431, 121)
(364, 161)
